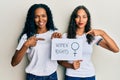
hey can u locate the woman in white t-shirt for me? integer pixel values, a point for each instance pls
(35, 42)
(80, 28)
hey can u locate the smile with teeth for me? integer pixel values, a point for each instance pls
(41, 23)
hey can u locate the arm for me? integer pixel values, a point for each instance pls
(20, 53)
(107, 42)
(75, 65)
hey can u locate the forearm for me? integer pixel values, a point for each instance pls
(66, 64)
(19, 54)
(109, 42)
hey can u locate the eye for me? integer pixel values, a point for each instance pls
(77, 16)
(44, 15)
(84, 16)
(36, 16)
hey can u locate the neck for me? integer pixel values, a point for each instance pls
(80, 32)
(41, 30)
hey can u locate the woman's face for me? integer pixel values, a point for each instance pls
(81, 19)
(40, 18)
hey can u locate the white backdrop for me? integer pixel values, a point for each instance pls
(105, 15)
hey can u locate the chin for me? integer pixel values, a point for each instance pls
(41, 26)
(81, 27)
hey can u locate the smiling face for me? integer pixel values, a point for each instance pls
(81, 19)
(40, 18)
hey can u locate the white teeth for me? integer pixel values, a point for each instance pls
(40, 23)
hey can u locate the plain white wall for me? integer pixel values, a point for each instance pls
(105, 15)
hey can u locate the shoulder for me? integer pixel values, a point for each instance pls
(97, 39)
(24, 36)
(52, 31)
(49, 33)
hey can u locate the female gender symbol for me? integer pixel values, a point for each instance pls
(75, 46)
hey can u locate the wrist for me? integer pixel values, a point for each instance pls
(72, 66)
(26, 44)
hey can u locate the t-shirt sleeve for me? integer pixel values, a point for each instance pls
(51, 31)
(97, 40)
(64, 35)
(21, 42)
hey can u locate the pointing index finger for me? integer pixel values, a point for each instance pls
(40, 39)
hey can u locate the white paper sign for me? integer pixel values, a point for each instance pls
(66, 49)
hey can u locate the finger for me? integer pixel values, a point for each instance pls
(78, 61)
(53, 35)
(81, 60)
(32, 38)
(89, 32)
(77, 64)
(40, 39)
(60, 35)
(56, 35)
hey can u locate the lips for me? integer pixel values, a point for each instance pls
(41, 23)
(81, 23)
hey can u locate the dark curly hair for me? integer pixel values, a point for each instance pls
(72, 27)
(30, 27)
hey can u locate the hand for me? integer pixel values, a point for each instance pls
(96, 32)
(76, 64)
(56, 35)
(32, 41)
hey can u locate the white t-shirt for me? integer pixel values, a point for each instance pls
(86, 67)
(39, 55)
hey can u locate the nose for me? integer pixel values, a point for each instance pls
(40, 18)
(80, 19)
